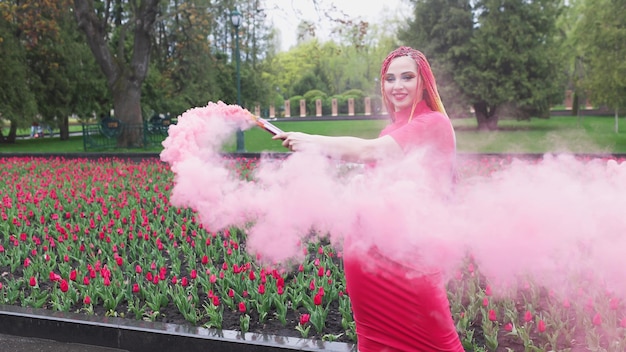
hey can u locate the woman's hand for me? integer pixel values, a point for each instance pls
(296, 141)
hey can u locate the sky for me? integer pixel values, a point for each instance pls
(287, 14)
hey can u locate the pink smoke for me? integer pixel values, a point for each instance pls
(550, 220)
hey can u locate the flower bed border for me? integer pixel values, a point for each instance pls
(143, 336)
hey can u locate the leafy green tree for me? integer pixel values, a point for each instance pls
(500, 53)
(195, 56)
(55, 73)
(601, 37)
(66, 80)
(571, 55)
(442, 30)
(17, 102)
(185, 70)
(309, 82)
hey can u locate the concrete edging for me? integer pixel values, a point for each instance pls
(144, 336)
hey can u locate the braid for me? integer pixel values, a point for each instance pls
(432, 95)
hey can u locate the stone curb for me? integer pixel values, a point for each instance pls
(143, 336)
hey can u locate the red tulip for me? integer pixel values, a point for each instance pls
(87, 300)
(541, 326)
(138, 269)
(54, 277)
(64, 286)
(304, 318)
(193, 274)
(597, 319)
(485, 302)
(508, 327)
(184, 282)
(32, 282)
(119, 261)
(135, 288)
(216, 301)
(492, 315)
(317, 299)
(528, 316)
(261, 289)
(242, 307)
(73, 275)
(231, 293)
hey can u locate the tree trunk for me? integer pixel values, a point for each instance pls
(12, 136)
(124, 77)
(127, 108)
(486, 117)
(64, 129)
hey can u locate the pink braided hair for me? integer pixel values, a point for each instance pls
(423, 67)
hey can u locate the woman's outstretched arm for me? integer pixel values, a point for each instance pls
(343, 147)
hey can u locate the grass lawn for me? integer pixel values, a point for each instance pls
(557, 134)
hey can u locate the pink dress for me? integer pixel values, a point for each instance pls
(394, 311)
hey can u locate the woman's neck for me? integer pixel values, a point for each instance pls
(405, 113)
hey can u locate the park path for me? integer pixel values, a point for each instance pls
(10, 343)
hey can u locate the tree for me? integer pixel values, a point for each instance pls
(503, 60)
(132, 22)
(601, 37)
(65, 78)
(17, 102)
(51, 74)
(442, 30)
(573, 61)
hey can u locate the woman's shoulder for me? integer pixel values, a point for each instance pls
(432, 117)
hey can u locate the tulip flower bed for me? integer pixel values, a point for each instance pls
(100, 238)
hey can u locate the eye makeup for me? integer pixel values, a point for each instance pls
(406, 77)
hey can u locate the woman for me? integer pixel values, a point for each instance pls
(398, 306)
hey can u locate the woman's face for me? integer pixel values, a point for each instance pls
(402, 84)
